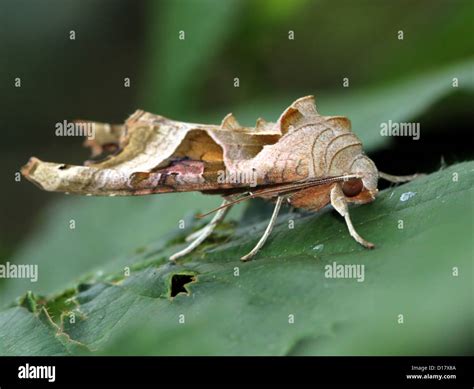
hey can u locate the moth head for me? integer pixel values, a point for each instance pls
(363, 189)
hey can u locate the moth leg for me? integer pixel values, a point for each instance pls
(203, 232)
(399, 179)
(338, 201)
(194, 234)
(267, 232)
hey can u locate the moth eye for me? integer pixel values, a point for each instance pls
(352, 188)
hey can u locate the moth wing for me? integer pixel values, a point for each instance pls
(155, 154)
(340, 122)
(149, 142)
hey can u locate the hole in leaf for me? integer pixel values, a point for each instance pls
(83, 286)
(179, 282)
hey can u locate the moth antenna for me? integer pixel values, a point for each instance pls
(228, 204)
(288, 188)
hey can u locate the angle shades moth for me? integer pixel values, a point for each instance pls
(304, 158)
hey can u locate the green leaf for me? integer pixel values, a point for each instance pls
(27, 333)
(422, 271)
(104, 230)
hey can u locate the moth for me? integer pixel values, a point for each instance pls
(304, 159)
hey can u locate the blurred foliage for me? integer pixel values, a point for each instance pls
(193, 80)
(399, 101)
(175, 65)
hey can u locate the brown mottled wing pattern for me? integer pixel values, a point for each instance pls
(154, 154)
